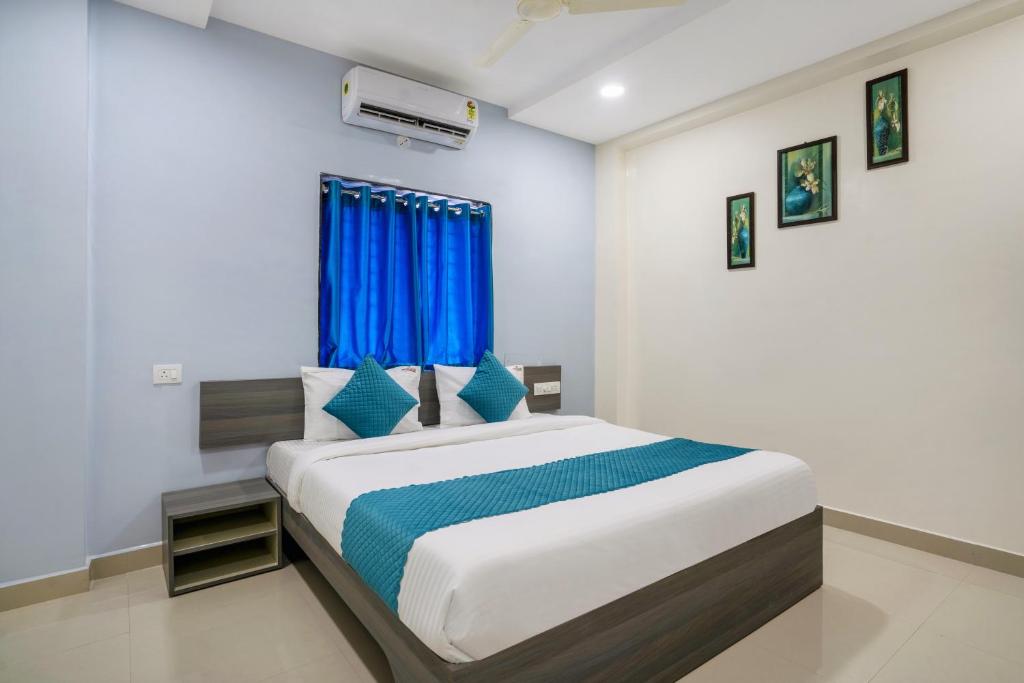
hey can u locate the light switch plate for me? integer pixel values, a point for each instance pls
(167, 373)
(546, 388)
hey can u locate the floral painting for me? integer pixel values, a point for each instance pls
(888, 135)
(808, 183)
(739, 231)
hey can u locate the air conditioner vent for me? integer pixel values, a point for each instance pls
(383, 114)
(444, 129)
(389, 103)
(386, 114)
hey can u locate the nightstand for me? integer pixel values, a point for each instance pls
(220, 533)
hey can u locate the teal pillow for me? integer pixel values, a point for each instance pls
(372, 403)
(493, 391)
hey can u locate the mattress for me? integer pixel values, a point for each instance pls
(473, 589)
(283, 454)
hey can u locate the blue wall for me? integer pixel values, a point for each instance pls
(208, 146)
(43, 286)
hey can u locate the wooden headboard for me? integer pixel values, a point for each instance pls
(261, 411)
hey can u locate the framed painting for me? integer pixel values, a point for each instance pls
(888, 120)
(739, 231)
(808, 183)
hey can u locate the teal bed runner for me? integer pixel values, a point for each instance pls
(381, 526)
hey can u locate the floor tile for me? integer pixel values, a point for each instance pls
(896, 588)
(332, 669)
(112, 584)
(41, 613)
(169, 621)
(899, 553)
(244, 650)
(355, 642)
(744, 661)
(57, 630)
(840, 637)
(104, 661)
(929, 658)
(151, 609)
(986, 619)
(997, 581)
(145, 579)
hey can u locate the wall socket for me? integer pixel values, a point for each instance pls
(546, 388)
(167, 373)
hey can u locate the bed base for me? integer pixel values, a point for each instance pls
(658, 633)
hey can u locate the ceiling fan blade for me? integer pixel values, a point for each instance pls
(591, 6)
(509, 37)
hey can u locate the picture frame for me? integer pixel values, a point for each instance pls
(887, 120)
(740, 227)
(808, 183)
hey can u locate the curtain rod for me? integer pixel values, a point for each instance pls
(328, 177)
(400, 200)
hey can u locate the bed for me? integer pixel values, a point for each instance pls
(643, 583)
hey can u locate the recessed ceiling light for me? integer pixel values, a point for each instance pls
(612, 90)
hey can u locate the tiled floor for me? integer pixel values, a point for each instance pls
(886, 614)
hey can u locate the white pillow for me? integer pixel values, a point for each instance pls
(457, 413)
(319, 385)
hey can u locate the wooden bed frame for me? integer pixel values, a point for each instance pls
(658, 633)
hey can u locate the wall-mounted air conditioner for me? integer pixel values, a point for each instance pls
(378, 100)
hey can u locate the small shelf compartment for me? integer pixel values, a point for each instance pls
(220, 533)
(211, 530)
(223, 563)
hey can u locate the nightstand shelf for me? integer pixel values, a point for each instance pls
(223, 563)
(220, 533)
(206, 532)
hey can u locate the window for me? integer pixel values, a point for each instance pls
(405, 276)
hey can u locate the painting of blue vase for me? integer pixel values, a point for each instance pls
(883, 128)
(808, 183)
(798, 200)
(739, 231)
(888, 134)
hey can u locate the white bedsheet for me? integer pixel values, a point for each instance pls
(473, 589)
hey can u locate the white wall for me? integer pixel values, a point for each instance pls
(885, 349)
(43, 277)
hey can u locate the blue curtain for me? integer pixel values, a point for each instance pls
(403, 277)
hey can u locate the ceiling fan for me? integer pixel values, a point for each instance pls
(532, 11)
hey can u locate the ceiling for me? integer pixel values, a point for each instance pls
(670, 60)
